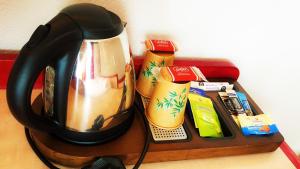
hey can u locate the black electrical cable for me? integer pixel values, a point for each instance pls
(147, 135)
(137, 164)
(37, 151)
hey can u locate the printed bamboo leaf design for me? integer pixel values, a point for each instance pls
(152, 65)
(174, 101)
(167, 103)
(159, 104)
(172, 94)
(154, 81)
(148, 71)
(162, 63)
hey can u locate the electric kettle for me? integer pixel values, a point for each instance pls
(89, 78)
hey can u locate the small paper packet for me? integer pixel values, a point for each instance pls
(257, 125)
(244, 102)
(182, 73)
(205, 116)
(197, 91)
(160, 46)
(212, 86)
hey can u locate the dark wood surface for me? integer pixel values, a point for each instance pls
(129, 146)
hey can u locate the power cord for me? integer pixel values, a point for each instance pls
(147, 133)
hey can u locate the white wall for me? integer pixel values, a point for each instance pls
(261, 37)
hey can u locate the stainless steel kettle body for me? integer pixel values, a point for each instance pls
(89, 76)
(101, 89)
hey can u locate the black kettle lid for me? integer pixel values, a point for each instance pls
(95, 21)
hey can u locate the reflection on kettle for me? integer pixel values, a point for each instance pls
(97, 91)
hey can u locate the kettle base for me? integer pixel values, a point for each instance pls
(88, 138)
(60, 158)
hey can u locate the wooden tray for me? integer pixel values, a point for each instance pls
(129, 146)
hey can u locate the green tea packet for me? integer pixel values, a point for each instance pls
(205, 116)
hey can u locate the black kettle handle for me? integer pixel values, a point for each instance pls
(58, 41)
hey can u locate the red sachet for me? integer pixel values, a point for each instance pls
(182, 73)
(161, 46)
